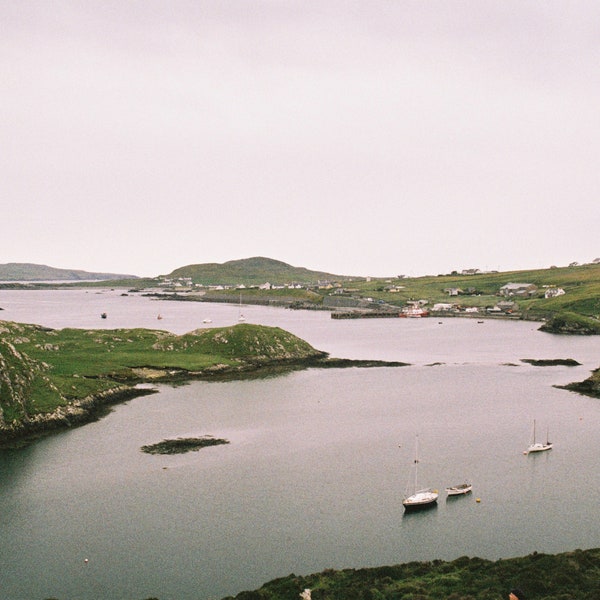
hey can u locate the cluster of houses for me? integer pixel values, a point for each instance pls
(340, 297)
(510, 292)
(186, 283)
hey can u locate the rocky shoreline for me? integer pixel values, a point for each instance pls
(78, 413)
(587, 387)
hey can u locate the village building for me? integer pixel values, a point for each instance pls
(443, 307)
(453, 291)
(518, 289)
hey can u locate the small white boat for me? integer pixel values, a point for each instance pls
(207, 320)
(419, 498)
(241, 317)
(538, 446)
(458, 490)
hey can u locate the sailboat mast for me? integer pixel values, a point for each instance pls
(416, 462)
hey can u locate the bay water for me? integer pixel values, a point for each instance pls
(317, 464)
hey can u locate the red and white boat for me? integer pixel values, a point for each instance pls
(414, 311)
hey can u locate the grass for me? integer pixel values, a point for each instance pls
(567, 576)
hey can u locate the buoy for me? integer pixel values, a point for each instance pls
(86, 561)
(478, 500)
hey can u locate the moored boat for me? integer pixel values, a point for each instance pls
(538, 446)
(414, 312)
(458, 490)
(423, 498)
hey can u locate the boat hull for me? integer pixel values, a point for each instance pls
(420, 500)
(459, 490)
(539, 448)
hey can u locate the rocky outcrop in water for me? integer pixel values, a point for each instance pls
(572, 324)
(588, 387)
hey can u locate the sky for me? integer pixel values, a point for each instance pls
(375, 137)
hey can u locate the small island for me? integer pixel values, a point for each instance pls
(551, 362)
(182, 445)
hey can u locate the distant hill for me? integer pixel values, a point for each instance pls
(32, 272)
(250, 271)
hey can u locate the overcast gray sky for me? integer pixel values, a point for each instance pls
(372, 138)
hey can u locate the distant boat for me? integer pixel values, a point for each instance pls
(458, 490)
(538, 446)
(159, 317)
(241, 316)
(103, 316)
(207, 320)
(420, 498)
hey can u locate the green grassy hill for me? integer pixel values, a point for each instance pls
(252, 271)
(32, 272)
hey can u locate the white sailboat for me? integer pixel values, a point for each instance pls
(538, 446)
(420, 498)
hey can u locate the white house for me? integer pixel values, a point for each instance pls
(443, 306)
(552, 292)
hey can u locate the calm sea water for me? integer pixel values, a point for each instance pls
(318, 461)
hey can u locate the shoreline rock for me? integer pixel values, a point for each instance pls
(81, 412)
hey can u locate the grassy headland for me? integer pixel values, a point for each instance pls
(568, 576)
(57, 376)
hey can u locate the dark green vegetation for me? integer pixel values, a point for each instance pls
(568, 576)
(181, 445)
(56, 377)
(571, 323)
(31, 272)
(249, 271)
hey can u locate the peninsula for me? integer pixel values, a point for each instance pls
(52, 379)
